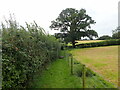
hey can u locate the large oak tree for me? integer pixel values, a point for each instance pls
(73, 24)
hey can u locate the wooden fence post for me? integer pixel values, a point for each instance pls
(84, 76)
(66, 56)
(68, 60)
(71, 64)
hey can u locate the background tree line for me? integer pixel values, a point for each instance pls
(115, 35)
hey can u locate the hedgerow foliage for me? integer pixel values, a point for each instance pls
(98, 44)
(24, 51)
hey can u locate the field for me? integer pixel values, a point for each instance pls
(58, 75)
(103, 60)
(85, 41)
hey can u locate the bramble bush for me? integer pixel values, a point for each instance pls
(24, 51)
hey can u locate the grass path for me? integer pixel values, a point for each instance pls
(58, 76)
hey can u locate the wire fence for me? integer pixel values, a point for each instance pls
(89, 78)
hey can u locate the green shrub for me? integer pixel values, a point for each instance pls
(89, 73)
(24, 52)
(78, 71)
(105, 37)
(97, 44)
(76, 62)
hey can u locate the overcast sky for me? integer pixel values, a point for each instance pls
(104, 12)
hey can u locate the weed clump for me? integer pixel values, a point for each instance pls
(78, 70)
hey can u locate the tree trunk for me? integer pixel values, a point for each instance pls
(73, 44)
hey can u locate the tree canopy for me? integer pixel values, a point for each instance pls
(73, 24)
(116, 33)
(105, 37)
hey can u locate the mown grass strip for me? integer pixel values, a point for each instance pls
(57, 76)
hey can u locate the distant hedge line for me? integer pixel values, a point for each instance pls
(24, 52)
(98, 44)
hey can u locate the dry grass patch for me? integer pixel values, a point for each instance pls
(88, 41)
(85, 41)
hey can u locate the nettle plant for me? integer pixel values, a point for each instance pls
(24, 51)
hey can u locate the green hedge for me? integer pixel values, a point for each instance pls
(24, 52)
(98, 44)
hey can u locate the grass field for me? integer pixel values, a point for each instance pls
(85, 41)
(58, 75)
(103, 60)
